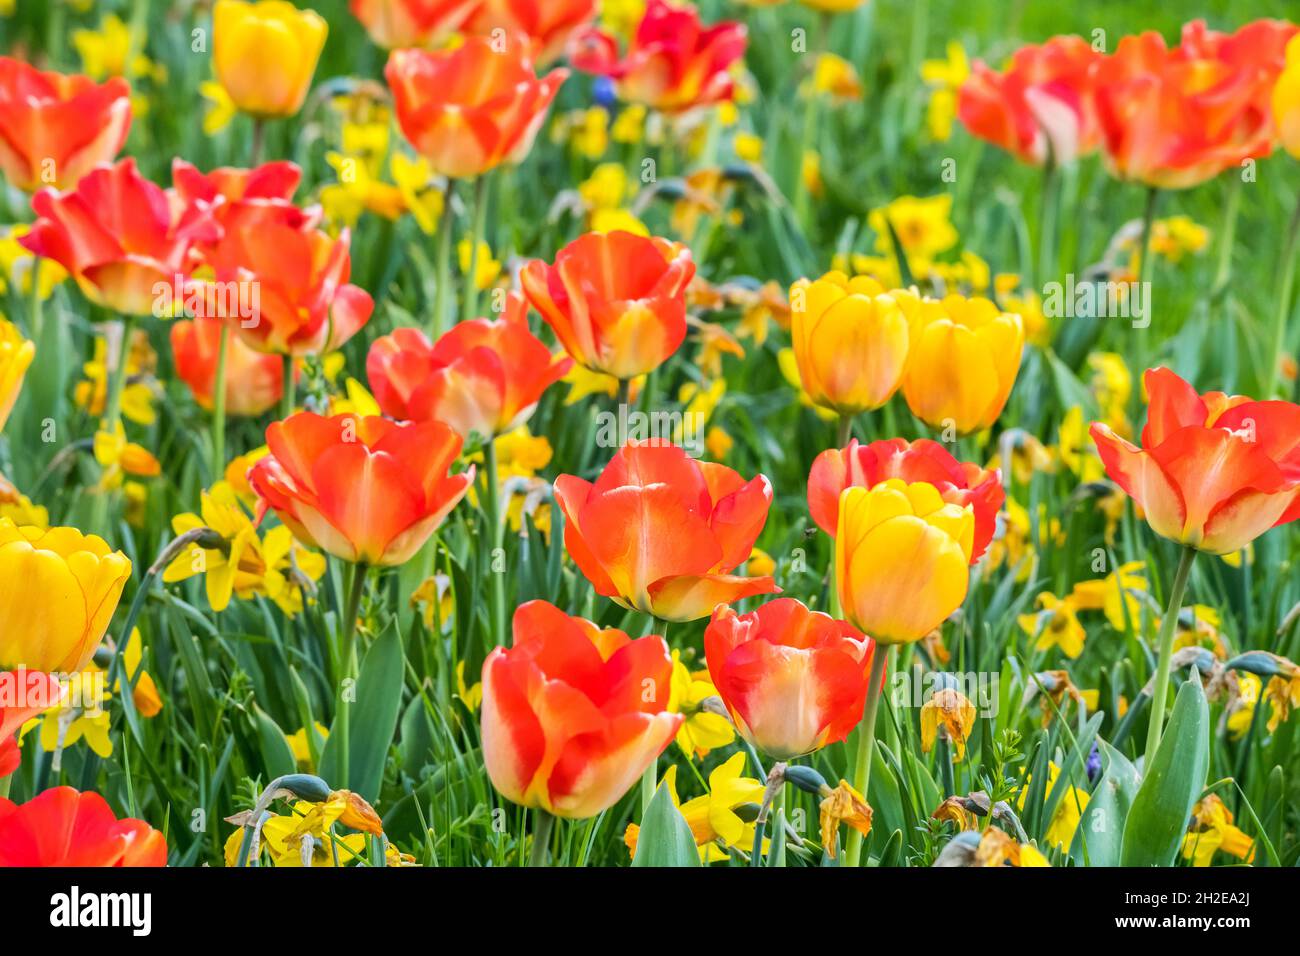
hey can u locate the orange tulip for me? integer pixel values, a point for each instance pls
(572, 714)
(793, 680)
(674, 62)
(549, 24)
(850, 340)
(119, 235)
(471, 109)
(865, 466)
(658, 531)
(364, 489)
(394, 24)
(55, 128)
(1173, 118)
(616, 301)
(1214, 471)
(225, 189)
(1041, 104)
(254, 381)
(61, 827)
(901, 558)
(482, 377)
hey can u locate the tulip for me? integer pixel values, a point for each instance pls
(61, 827)
(674, 63)
(1174, 118)
(616, 301)
(363, 489)
(549, 24)
(60, 593)
(658, 531)
(1286, 100)
(55, 128)
(482, 377)
(228, 190)
(572, 714)
(119, 235)
(474, 108)
(902, 558)
(16, 354)
(964, 356)
(850, 341)
(1041, 106)
(254, 381)
(264, 54)
(793, 680)
(1214, 472)
(394, 24)
(865, 466)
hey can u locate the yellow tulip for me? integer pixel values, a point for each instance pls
(1286, 100)
(833, 6)
(61, 588)
(850, 340)
(902, 558)
(265, 53)
(964, 358)
(16, 354)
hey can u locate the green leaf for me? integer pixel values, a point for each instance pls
(665, 838)
(373, 719)
(1162, 808)
(1102, 823)
(276, 752)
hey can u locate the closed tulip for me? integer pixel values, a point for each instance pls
(55, 128)
(865, 466)
(364, 489)
(470, 109)
(572, 714)
(1286, 100)
(60, 590)
(264, 54)
(850, 341)
(659, 532)
(548, 24)
(793, 680)
(394, 24)
(964, 356)
(902, 557)
(482, 377)
(1214, 471)
(61, 827)
(674, 63)
(616, 301)
(16, 354)
(254, 381)
(119, 235)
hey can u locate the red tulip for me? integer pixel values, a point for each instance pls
(364, 489)
(62, 827)
(483, 376)
(794, 680)
(119, 235)
(616, 301)
(1214, 471)
(470, 109)
(55, 128)
(254, 381)
(404, 23)
(864, 466)
(23, 695)
(549, 24)
(573, 715)
(658, 532)
(674, 62)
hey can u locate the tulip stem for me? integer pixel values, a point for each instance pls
(287, 397)
(1144, 248)
(1286, 280)
(845, 431)
(348, 656)
(470, 304)
(1168, 626)
(543, 823)
(442, 265)
(99, 521)
(219, 405)
(867, 742)
(493, 510)
(256, 141)
(1047, 221)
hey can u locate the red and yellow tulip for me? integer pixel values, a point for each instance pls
(61, 827)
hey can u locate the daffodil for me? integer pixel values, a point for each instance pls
(1212, 830)
(302, 747)
(436, 601)
(703, 729)
(712, 818)
(1055, 625)
(486, 269)
(137, 392)
(833, 76)
(1068, 812)
(950, 710)
(119, 457)
(944, 79)
(842, 804)
(923, 225)
(17, 264)
(421, 196)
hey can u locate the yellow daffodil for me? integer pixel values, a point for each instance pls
(703, 729)
(952, 711)
(1212, 830)
(1069, 809)
(924, 226)
(302, 747)
(137, 393)
(712, 818)
(833, 76)
(436, 601)
(421, 196)
(944, 79)
(16, 266)
(486, 269)
(119, 457)
(1055, 625)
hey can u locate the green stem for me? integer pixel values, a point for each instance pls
(442, 264)
(470, 305)
(845, 431)
(287, 396)
(1144, 249)
(257, 141)
(4, 786)
(650, 776)
(867, 743)
(1047, 221)
(492, 508)
(1168, 627)
(112, 412)
(1286, 279)
(348, 646)
(543, 822)
(1227, 236)
(219, 404)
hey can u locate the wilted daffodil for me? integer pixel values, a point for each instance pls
(949, 713)
(1212, 830)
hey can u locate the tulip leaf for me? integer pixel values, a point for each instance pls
(275, 749)
(373, 719)
(1102, 823)
(1163, 804)
(665, 837)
